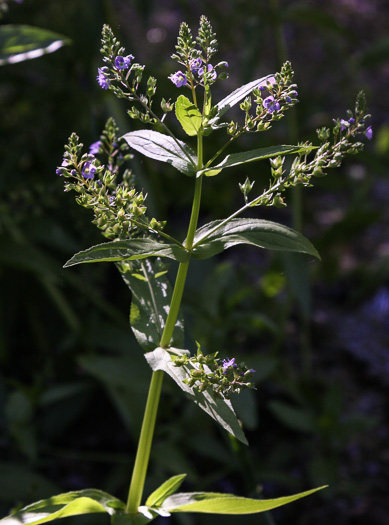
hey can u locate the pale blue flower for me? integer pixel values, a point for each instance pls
(271, 104)
(102, 79)
(123, 62)
(178, 79)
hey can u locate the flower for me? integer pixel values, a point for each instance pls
(95, 147)
(263, 85)
(271, 104)
(178, 79)
(102, 79)
(212, 76)
(195, 64)
(344, 124)
(88, 170)
(60, 171)
(369, 133)
(123, 62)
(351, 120)
(228, 363)
(293, 94)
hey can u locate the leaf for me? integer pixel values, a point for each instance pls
(163, 148)
(167, 488)
(21, 42)
(129, 250)
(236, 96)
(235, 159)
(219, 409)
(217, 236)
(296, 418)
(86, 501)
(215, 503)
(188, 115)
(150, 306)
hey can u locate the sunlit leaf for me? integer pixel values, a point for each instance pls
(219, 409)
(151, 297)
(217, 236)
(21, 42)
(215, 503)
(86, 501)
(132, 249)
(235, 159)
(188, 115)
(167, 488)
(236, 96)
(163, 148)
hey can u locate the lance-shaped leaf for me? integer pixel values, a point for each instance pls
(235, 159)
(236, 96)
(151, 298)
(86, 501)
(219, 409)
(22, 42)
(215, 503)
(129, 250)
(163, 148)
(188, 115)
(217, 236)
(167, 488)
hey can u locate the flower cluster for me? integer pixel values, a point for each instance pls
(223, 377)
(196, 60)
(119, 210)
(123, 76)
(280, 95)
(327, 155)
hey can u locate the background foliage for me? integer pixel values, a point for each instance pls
(72, 379)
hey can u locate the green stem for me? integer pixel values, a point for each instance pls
(144, 445)
(150, 415)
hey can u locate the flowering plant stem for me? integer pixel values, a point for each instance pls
(150, 415)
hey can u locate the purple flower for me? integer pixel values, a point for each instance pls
(294, 94)
(195, 64)
(60, 170)
(271, 104)
(179, 79)
(102, 79)
(263, 85)
(369, 133)
(95, 147)
(344, 124)
(351, 120)
(123, 62)
(228, 363)
(212, 75)
(88, 170)
(288, 99)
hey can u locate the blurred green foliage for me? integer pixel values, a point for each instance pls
(72, 378)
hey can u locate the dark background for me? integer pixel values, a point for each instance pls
(73, 380)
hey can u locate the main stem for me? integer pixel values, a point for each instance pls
(150, 415)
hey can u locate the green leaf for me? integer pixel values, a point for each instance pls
(129, 250)
(86, 501)
(150, 306)
(219, 409)
(170, 486)
(188, 115)
(294, 417)
(163, 148)
(21, 42)
(236, 96)
(215, 503)
(235, 159)
(217, 236)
